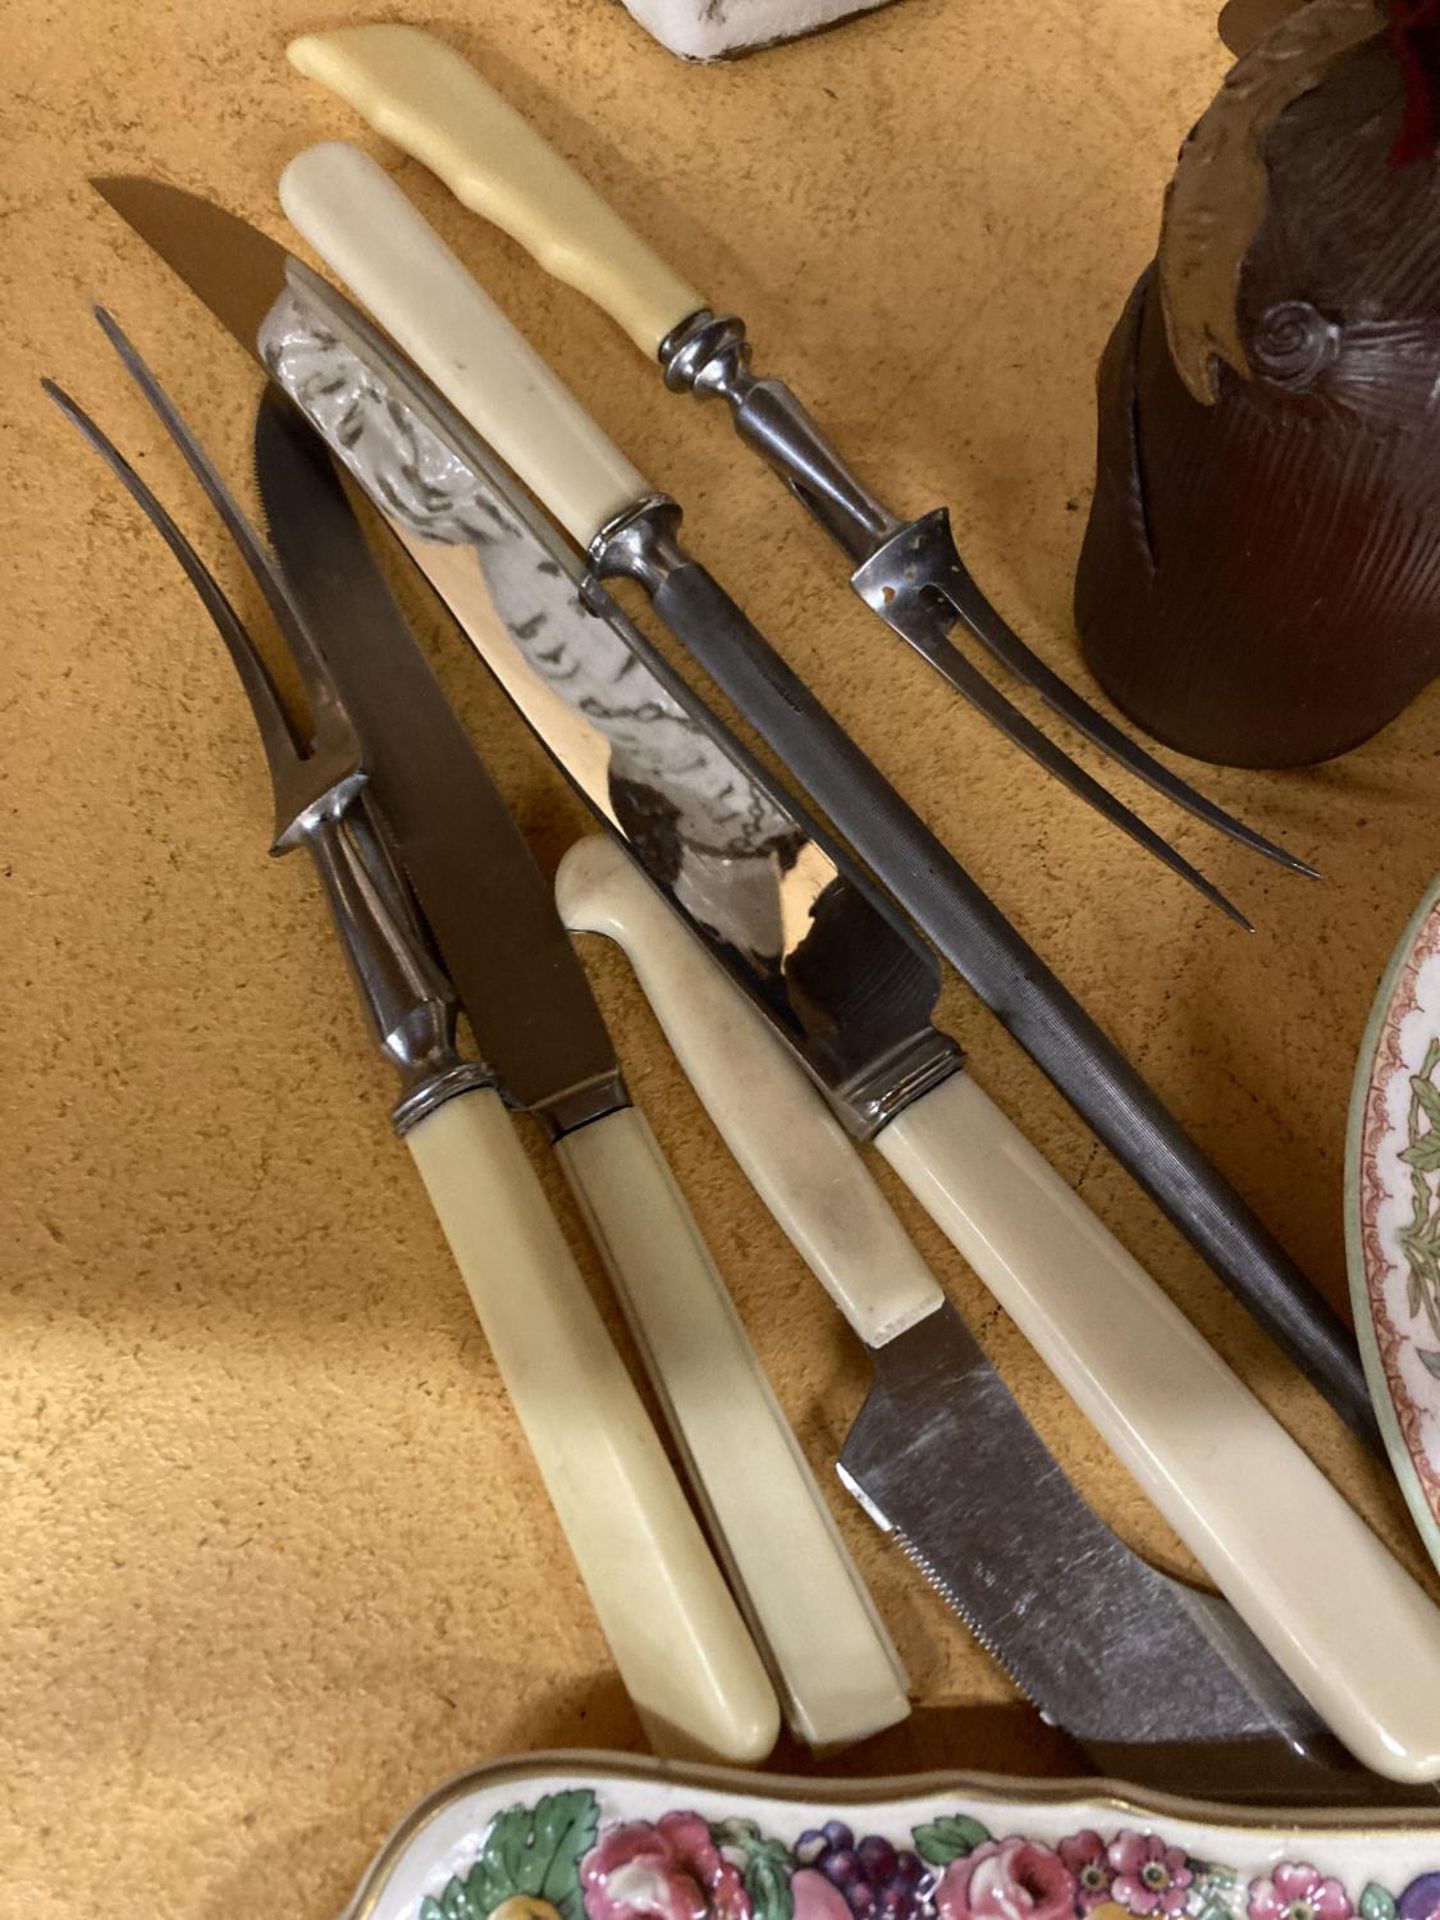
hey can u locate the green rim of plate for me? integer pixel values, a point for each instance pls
(1401, 1460)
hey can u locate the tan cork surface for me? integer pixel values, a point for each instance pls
(274, 1557)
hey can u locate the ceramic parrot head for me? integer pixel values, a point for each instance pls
(1260, 582)
(1226, 181)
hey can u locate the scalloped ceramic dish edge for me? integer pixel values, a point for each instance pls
(1406, 1404)
(593, 1836)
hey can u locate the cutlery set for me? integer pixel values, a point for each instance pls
(783, 964)
(372, 237)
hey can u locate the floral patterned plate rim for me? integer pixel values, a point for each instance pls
(1392, 1212)
(589, 1836)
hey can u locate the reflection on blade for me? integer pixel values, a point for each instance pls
(237, 271)
(1085, 1626)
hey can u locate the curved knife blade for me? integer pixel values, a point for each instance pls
(984, 947)
(743, 866)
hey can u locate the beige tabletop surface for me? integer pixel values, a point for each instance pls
(273, 1556)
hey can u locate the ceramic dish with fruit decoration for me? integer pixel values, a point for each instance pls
(1392, 1188)
(590, 1837)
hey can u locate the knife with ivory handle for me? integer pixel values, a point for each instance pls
(807, 1171)
(526, 995)
(365, 228)
(1238, 1490)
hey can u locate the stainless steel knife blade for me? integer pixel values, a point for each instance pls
(1088, 1624)
(636, 1542)
(626, 733)
(734, 856)
(487, 903)
(370, 234)
(815, 1182)
(795, 1582)
(990, 953)
(1307, 1634)
(655, 764)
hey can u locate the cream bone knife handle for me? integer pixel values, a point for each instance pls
(395, 264)
(769, 1112)
(1346, 1623)
(840, 1678)
(677, 1637)
(432, 104)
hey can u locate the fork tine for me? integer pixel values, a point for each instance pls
(331, 722)
(282, 746)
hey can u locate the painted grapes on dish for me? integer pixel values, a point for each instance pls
(558, 1860)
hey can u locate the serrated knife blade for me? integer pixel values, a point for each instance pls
(942, 1456)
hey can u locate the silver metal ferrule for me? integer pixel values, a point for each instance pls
(891, 1084)
(708, 354)
(465, 1076)
(577, 1106)
(641, 544)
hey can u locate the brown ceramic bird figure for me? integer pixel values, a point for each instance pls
(1260, 581)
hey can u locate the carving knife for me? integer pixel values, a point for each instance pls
(851, 991)
(422, 95)
(366, 229)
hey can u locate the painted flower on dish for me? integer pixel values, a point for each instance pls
(1006, 1880)
(1296, 1891)
(1088, 1859)
(671, 1870)
(561, 1858)
(1149, 1876)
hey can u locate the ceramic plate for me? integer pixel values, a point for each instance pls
(1392, 1189)
(590, 1837)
